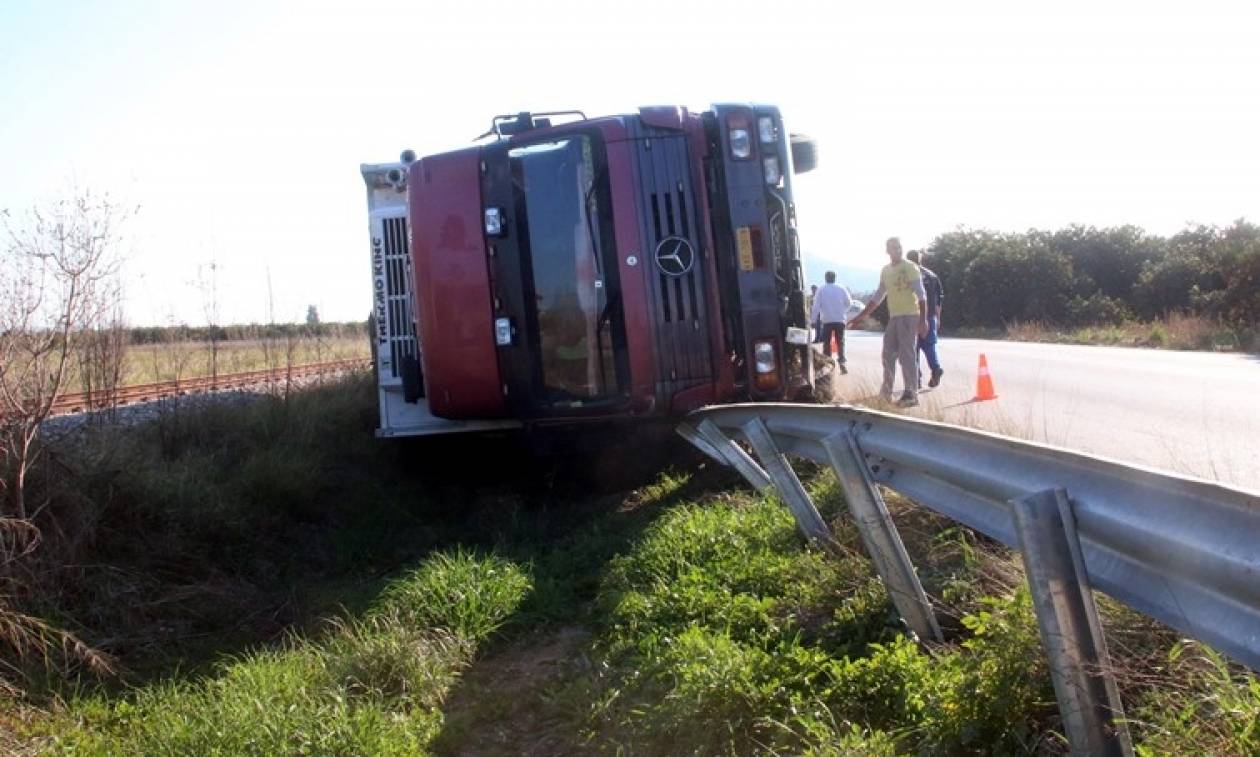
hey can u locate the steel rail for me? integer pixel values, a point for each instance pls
(1182, 550)
(125, 395)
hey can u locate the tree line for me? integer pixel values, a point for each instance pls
(244, 332)
(1082, 275)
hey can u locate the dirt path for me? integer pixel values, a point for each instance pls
(506, 703)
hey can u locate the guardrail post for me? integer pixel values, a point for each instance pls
(788, 485)
(1067, 618)
(689, 432)
(880, 536)
(735, 455)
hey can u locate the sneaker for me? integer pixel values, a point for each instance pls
(843, 369)
(936, 377)
(908, 400)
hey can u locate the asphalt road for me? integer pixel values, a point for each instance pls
(1193, 413)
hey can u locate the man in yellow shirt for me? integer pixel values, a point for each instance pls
(901, 283)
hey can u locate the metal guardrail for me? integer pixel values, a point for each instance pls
(1181, 550)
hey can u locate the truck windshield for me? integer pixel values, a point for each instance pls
(560, 185)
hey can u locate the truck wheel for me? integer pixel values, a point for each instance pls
(804, 153)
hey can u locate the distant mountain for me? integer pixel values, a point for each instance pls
(855, 278)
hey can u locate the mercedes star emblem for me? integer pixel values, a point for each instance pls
(675, 256)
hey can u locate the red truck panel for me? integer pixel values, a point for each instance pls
(452, 287)
(633, 297)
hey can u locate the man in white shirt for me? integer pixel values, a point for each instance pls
(831, 306)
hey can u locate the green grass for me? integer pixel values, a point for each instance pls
(727, 635)
(461, 593)
(372, 685)
(273, 580)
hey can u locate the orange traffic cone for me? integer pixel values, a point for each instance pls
(984, 382)
(835, 346)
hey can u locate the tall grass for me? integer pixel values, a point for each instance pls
(464, 594)
(723, 633)
(727, 635)
(1201, 704)
(201, 551)
(1176, 331)
(365, 686)
(275, 581)
(159, 537)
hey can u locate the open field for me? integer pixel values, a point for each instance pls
(269, 578)
(178, 360)
(148, 363)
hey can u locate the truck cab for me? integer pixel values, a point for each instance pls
(568, 270)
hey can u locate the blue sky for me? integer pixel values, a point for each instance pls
(238, 127)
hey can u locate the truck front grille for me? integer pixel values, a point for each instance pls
(669, 219)
(678, 301)
(402, 333)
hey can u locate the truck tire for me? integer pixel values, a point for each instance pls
(804, 153)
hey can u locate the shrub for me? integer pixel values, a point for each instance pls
(1098, 308)
(882, 689)
(996, 693)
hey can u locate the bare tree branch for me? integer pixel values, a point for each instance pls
(59, 267)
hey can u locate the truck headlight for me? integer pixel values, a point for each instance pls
(773, 174)
(766, 130)
(767, 366)
(763, 357)
(503, 331)
(494, 222)
(740, 136)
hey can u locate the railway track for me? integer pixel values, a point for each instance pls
(129, 395)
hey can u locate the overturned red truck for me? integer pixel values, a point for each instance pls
(566, 269)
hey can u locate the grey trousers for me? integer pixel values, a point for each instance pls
(901, 341)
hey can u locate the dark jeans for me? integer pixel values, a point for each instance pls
(833, 328)
(927, 345)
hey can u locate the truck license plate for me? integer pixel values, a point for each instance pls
(743, 239)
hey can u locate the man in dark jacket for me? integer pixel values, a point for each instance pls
(935, 296)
